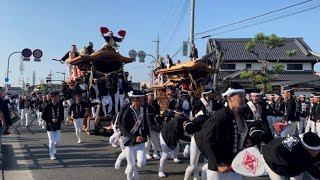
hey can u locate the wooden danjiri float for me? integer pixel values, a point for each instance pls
(189, 76)
(101, 63)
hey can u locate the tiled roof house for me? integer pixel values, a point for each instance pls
(298, 68)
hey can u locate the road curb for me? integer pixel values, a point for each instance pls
(1, 161)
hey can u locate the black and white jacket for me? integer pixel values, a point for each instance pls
(128, 120)
(287, 156)
(292, 112)
(199, 106)
(220, 139)
(78, 110)
(53, 111)
(279, 109)
(173, 131)
(25, 104)
(151, 112)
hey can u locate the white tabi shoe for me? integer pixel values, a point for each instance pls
(161, 174)
(117, 165)
(176, 160)
(148, 156)
(156, 156)
(186, 152)
(79, 142)
(52, 157)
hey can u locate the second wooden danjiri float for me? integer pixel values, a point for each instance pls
(188, 76)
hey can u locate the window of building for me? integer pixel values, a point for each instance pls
(248, 66)
(228, 66)
(294, 67)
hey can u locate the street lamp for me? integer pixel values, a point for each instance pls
(8, 65)
(64, 75)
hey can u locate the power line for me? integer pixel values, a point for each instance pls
(170, 21)
(284, 15)
(176, 53)
(265, 21)
(178, 25)
(255, 17)
(168, 15)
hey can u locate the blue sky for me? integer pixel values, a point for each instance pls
(55, 25)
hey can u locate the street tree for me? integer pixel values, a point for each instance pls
(144, 87)
(261, 77)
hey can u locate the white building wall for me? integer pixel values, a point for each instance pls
(257, 66)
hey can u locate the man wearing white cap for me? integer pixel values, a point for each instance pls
(204, 105)
(291, 156)
(221, 138)
(256, 118)
(291, 116)
(152, 111)
(135, 130)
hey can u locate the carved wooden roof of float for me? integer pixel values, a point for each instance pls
(198, 65)
(105, 61)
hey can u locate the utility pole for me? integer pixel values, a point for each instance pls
(33, 77)
(158, 48)
(156, 59)
(21, 69)
(192, 23)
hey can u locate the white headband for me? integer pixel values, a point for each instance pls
(288, 90)
(255, 94)
(204, 93)
(130, 94)
(250, 134)
(177, 112)
(150, 94)
(233, 91)
(306, 145)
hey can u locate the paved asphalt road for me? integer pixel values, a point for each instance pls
(26, 157)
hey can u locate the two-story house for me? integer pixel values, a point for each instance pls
(298, 69)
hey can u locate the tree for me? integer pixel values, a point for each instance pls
(144, 87)
(216, 64)
(262, 77)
